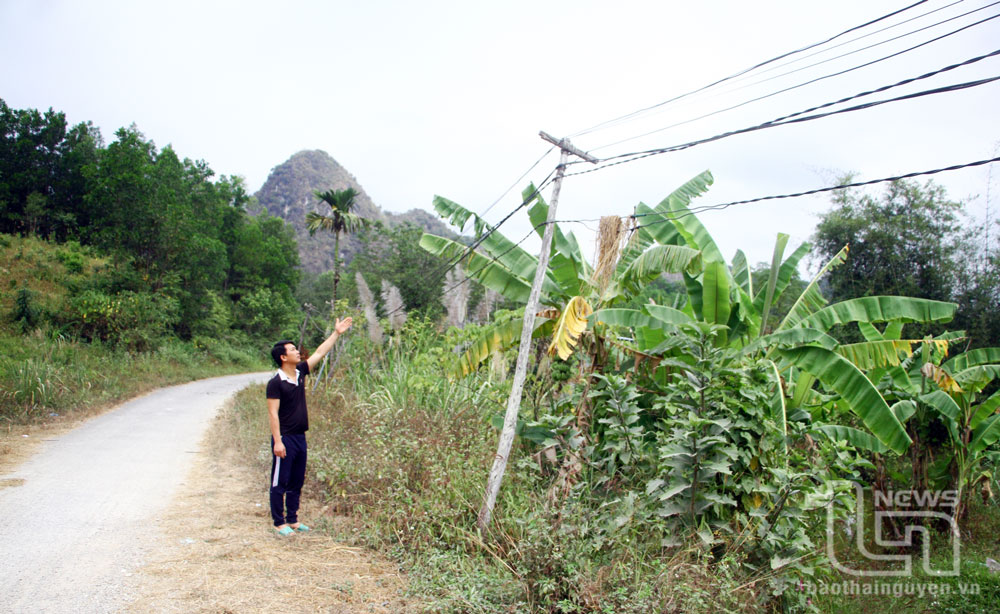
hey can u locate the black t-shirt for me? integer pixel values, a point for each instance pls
(292, 414)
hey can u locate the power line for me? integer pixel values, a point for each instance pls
(519, 179)
(745, 71)
(853, 40)
(855, 184)
(810, 82)
(888, 40)
(703, 208)
(782, 121)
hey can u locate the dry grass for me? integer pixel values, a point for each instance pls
(219, 553)
(610, 234)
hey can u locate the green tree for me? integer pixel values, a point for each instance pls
(905, 242)
(42, 184)
(978, 289)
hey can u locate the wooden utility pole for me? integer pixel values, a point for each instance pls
(523, 352)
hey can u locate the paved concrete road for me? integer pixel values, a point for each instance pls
(86, 512)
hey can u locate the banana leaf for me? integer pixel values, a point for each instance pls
(658, 259)
(767, 294)
(489, 273)
(566, 262)
(803, 389)
(747, 319)
(877, 354)
(893, 330)
(942, 402)
(798, 336)
(880, 309)
(615, 316)
(785, 273)
(869, 332)
(668, 315)
(497, 337)
(810, 300)
(838, 375)
(857, 438)
(976, 378)
(984, 435)
(741, 272)
(656, 223)
(973, 358)
(496, 245)
(985, 409)
(903, 410)
(715, 293)
(779, 403)
(695, 234)
(572, 322)
(655, 227)
(694, 291)
(457, 215)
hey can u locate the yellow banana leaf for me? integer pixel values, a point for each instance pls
(570, 326)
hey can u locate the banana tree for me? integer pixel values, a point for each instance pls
(800, 342)
(570, 291)
(931, 387)
(670, 238)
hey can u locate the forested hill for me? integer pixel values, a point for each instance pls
(289, 191)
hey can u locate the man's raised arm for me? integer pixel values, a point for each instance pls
(339, 328)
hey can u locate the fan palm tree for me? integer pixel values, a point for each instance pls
(341, 219)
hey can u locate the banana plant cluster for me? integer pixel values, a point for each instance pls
(669, 238)
(931, 387)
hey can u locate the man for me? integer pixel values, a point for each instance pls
(286, 409)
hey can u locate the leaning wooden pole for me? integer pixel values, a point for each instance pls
(524, 351)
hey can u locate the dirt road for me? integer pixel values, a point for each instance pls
(78, 518)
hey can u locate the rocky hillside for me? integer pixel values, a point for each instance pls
(288, 193)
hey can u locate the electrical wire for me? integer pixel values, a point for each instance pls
(838, 45)
(703, 208)
(453, 262)
(878, 44)
(744, 71)
(854, 184)
(805, 68)
(781, 121)
(516, 182)
(810, 82)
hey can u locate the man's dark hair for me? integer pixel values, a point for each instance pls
(279, 350)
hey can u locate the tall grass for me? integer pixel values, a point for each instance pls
(41, 376)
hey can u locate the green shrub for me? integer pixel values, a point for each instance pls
(136, 320)
(26, 313)
(71, 257)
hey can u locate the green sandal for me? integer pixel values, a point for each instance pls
(301, 528)
(285, 531)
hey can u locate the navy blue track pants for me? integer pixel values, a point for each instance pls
(287, 476)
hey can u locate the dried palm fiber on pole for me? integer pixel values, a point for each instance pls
(610, 234)
(455, 296)
(368, 307)
(395, 309)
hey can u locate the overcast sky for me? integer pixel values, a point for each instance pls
(434, 97)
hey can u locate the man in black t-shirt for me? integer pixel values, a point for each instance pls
(289, 419)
